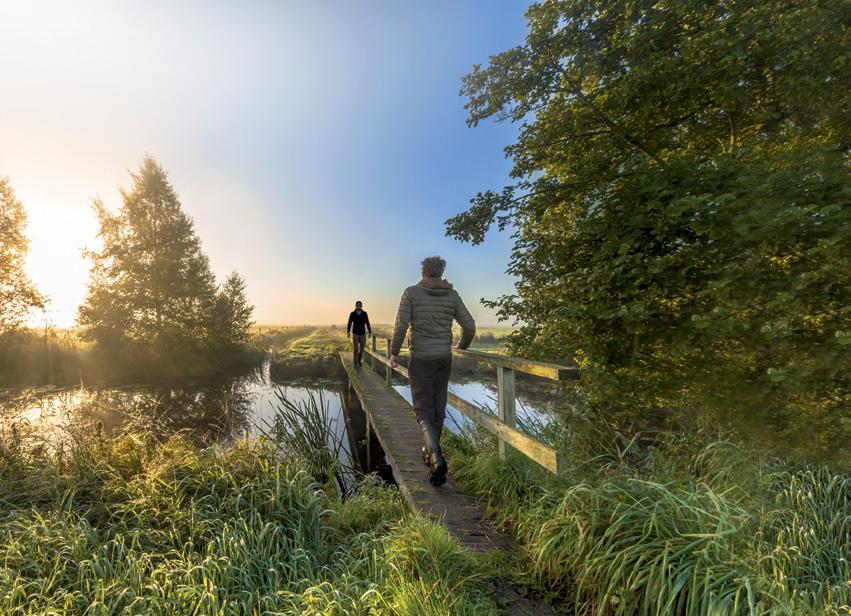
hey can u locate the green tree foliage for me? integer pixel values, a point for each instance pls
(681, 205)
(232, 315)
(17, 294)
(151, 285)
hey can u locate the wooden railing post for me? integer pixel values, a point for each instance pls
(506, 404)
(388, 371)
(372, 357)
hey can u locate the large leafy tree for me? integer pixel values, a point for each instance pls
(681, 204)
(150, 281)
(17, 294)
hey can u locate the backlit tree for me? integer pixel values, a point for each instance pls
(18, 295)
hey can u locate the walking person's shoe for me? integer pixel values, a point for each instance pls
(432, 453)
(438, 472)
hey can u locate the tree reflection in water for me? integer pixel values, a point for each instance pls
(202, 413)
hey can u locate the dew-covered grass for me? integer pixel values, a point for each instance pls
(683, 527)
(132, 525)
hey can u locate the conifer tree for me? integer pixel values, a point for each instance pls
(150, 281)
(233, 314)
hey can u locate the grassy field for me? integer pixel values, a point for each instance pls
(304, 351)
(319, 342)
(135, 526)
(59, 357)
(487, 338)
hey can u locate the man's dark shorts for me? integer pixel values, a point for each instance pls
(429, 380)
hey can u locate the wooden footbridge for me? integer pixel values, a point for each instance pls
(389, 419)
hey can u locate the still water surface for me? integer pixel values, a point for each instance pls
(205, 413)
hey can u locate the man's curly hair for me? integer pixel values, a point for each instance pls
(433, 267)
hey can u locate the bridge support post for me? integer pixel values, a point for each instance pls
(357, 426)
(388, 371)
(368, 446)
(506, 403)
(372, 357)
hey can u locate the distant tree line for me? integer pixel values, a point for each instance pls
(152, 304)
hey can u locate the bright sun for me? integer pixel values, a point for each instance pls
(58, 233)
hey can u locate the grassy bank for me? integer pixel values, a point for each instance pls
(308, 353)
(685, 527)
(134, 526)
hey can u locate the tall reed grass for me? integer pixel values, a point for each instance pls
(132, 525)
(307, 431)
(674, 529)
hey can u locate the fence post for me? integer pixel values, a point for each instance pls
(388, 371)
(372, 357)
(506, 404)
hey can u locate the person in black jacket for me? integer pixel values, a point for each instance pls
(358, 327)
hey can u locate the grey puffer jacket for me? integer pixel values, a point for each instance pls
(429, 308)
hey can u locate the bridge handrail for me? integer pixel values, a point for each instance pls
(503, 426)
(547, 370)
(554, 372)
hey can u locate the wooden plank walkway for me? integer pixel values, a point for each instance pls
(392, 419)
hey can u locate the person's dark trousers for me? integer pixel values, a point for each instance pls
(358, 344)
(429, 380)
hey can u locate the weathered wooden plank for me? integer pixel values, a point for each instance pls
(544, 455)
(554, 372)
(386, 361)
(398, 433)
(400, 437)
(356, 425)
(388, 374)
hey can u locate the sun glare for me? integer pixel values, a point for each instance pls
(58, 233)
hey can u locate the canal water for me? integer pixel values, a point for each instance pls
(205, 413)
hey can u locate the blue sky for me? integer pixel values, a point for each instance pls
(319, 146)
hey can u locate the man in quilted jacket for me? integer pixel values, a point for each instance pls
(428, 309)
